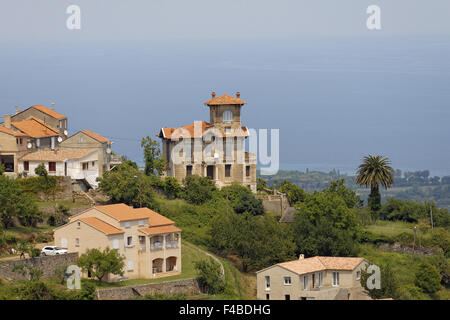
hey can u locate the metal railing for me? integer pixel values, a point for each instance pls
(171, 244)
(156, 246)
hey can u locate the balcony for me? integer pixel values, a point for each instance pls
(156, 246)
(171, 244)
(250, 157)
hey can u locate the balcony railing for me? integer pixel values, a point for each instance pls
(171, 244)
(156, 246)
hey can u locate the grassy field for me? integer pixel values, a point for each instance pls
(403, 265)
(188, 257)
(391, 228)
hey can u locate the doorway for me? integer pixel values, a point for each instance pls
(210, 172)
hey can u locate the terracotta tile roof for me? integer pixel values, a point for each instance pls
(35, 128)
(314, 264)
(101, 225)
(50, 112)
(96, 136)
(224, 99)
(12, 132)
(155, 219)
(57, 155)
(188, 131)
(122, 212)
(160, 230)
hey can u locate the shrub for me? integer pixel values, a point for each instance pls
(87, 291)
(35, 253)
(405, 239)
(210, 276)
(198, 189)
(389, 283)
(242, 199)
(35, 290)
(100, 263)
(370, 237)
(172, 188)
(428, 278)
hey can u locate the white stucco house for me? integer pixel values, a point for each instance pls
(79, 164)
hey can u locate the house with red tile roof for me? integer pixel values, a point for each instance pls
(48, 116)
(150, 242)
(89, 139)
(39, 127)
(213, 149)
(314, 278)
(81, 165)
(13, 145)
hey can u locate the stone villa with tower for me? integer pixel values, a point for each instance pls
(214, 149)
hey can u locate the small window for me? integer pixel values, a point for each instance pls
(227, 117)
(130, 265)
(93, 163)
(129, 241)
(267, 296)
(17, 141)
(267, 283)
(116, 244)
(141, 222)
(320, 279)
(335, 279)
(21, 141)
(127, 224)
(77, 242)
(305, 282)
(247, 171)
(228, 170)
(358, 275)
(26, 166)
(38, 143)
(85, 166)
(188, 170)
(287, 280)
(287, 297)
(80, 139)
(78, 224)
(52, 166)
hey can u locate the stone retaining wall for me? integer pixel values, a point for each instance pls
(170, 288)
(48, 265)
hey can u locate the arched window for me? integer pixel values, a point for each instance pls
(227, 116)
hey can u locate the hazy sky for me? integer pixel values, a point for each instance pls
(336, 90)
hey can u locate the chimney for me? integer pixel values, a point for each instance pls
(53, 106)
(7, 122)
(238, 94)
(301, 257)
(17, 109)
(213, 94)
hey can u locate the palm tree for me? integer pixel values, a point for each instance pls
(375, 170)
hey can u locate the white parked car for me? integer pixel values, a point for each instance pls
(52, 250)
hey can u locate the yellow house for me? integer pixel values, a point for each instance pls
(214, 149)
(315, 278)
(150, 242)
